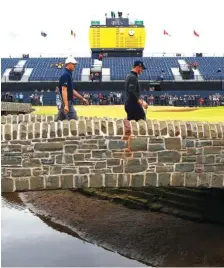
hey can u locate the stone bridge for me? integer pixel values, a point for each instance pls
(39, 153)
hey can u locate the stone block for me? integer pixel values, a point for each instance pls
(52, 182)
(184, 167)
(67, 181)
(89, 146)
(212, 150)
(11, 148)
(7, 185)
(204, 180)
(69, 170)
(138, 144)
(203, 143)
(40, 155)
(191, 180)
(164, 179)
(120, 127)
(28, 149)
(84, 164)
(156, 147)
(124, 180)
(111, 180)
(177, 179)
(163, 128)
(166, 168)
(81, 128)
(21, 172)
(37, 183)
(142, 127)
(137, 181)
(73, 127)
(188, 143)
(55, 170)
(134, 127)
(189, 159)
(173, 144)
(152, 160)
(48, 147)
(117, 145)
(101, 154)
(218, 142)
(11, 161)
(31, 162)
(111, 128)
(84, 170)
(65, 131)
(96, 180)
(37, 130)
(169, 157)
(8, 132)
(78, 157)
(81, 181)
(52, 129)
(118, 169)
(113, 162)
(39, 172)
(100, 165)
(22, 184)
(48, 161)
(217, 181)
(64, 159)
(156, 140)
(104, 126)
(151, 179)
(101, 171)
(135, 165)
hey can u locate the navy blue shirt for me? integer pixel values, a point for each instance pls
(66, 81)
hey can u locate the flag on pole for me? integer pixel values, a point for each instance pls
(43, 34)
(166, 33)
(195, 33)
(73, 33)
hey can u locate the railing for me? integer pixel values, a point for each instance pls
(150, 78)
(87, 55)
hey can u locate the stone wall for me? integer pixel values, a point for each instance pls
(15, 108)
(38, 153)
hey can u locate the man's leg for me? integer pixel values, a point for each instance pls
(72, 114)
(61, 115)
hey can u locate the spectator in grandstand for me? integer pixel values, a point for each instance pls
(134, 104)
(41, 99)
(100, 57)
(67, 92)
(58, 100)
(20, 97)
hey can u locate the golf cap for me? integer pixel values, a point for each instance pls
(139, 63)
(71, 60)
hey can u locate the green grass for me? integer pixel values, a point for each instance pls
(208, 114)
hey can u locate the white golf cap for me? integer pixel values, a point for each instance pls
(71, 60)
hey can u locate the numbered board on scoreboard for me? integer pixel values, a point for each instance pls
(117, 37)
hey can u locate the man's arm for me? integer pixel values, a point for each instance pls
(132, 89)
(77, 95)
(65, 98)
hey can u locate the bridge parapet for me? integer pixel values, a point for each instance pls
(110, 153)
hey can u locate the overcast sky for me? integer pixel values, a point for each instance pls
(23, 20)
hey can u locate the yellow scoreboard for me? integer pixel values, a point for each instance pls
(127, 37)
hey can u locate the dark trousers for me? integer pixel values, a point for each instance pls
(134, 111)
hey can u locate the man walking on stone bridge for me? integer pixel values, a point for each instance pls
(134, 104)
(67, 92)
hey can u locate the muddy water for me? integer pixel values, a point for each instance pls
(32, 240)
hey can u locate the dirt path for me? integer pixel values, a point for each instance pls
(154, 238)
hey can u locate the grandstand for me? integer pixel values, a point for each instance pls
(45, 69)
